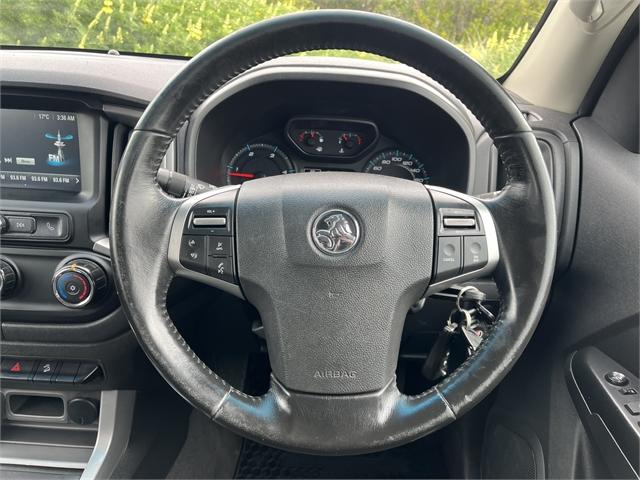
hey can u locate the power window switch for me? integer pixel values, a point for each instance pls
(633, 408)
(628, 391)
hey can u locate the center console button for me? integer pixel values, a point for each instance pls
(17, 368)
(87, 372)
(67, 372)
(56, 227)
(21, 225)
(45, 370)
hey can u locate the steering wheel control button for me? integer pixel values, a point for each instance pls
(212, 216)
(475, 253)
(459, 222)
(449, 257)
(456, 217)
(616, 378)
(17, 368)
(192, 253)
(8, 278)
(78, 282)
(45, 370)
(335, 232)
(219, 247)
(221, 268)
(210, 221)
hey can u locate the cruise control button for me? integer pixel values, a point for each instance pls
(192, 253)
(45, 370)
(475, 253)
(449, 258)
(17, 368)
(221, 268)
(21, 225)
(219, 247)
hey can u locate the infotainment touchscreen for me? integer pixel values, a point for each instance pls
(39, 149)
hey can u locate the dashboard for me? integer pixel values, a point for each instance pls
(65, 121)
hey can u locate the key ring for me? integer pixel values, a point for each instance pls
(463, 290)
(468, 318)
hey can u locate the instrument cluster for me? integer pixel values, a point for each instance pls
(315, 144)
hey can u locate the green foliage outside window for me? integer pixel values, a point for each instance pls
(491, 31)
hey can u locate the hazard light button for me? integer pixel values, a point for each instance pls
(17, 368)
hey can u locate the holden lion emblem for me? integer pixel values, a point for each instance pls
(335, 231)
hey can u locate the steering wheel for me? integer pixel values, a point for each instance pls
(333, 261)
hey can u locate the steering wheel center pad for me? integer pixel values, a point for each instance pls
(333, 321)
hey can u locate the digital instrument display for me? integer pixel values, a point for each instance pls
(39, 149)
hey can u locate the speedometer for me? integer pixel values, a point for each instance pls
(257, 160)
(397, 163)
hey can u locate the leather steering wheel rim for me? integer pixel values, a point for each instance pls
(523, 213)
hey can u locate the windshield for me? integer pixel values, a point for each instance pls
(491, 31)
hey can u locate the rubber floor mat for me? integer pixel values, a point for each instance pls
(420, 459)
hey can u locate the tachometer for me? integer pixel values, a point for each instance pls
(397, 163)
(257, 160)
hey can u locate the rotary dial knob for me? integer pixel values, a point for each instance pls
(8, 278)
(78, 282)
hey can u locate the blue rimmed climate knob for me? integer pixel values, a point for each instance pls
(78, 282)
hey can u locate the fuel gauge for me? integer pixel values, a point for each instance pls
(312, 139)
(349, 142)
